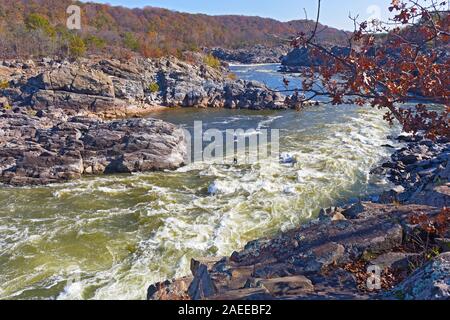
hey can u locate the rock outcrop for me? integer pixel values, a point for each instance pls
(298, 58)
(430, 282)
(254, 55)
(420, 171)
(335, 256)
(301, 57)
(52, 146)
(51, 111)
(115, 89)
(320, 260)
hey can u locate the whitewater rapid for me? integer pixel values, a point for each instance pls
(113, 236)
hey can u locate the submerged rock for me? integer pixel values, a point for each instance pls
(289, 190)
(213, 189)
(287, 158)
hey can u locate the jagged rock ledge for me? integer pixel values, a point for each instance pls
(52, 146)
(115, 89)
(51, 111)
(420, 171)
(329, 257)
(258, 54)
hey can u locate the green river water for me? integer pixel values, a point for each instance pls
(110, 237)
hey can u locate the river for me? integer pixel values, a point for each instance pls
(110, 237)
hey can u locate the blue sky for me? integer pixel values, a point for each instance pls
(334, 13)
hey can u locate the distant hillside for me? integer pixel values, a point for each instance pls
(36, 27)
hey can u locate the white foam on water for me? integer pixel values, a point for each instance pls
(267, 122)
(127, 232)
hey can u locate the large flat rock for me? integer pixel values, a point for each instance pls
(40, 150)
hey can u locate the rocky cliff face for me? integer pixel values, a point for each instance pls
(116, 89)
(253, 55)
(404, 234)
(52, 146)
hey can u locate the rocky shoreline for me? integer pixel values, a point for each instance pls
(299, 58)
(51, 146)
(254, 55)
(403, 233)
(50, 108)
(115, 89)
(56, 115)
(60, 120)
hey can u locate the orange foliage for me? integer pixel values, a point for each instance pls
(402, 74)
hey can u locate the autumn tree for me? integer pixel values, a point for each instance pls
(77, 47)
(403, 73)
(131, 42)
(37, 22)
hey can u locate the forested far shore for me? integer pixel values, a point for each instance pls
(38, 28)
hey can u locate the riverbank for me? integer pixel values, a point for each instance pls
(51, 146)
(403, 235)
(50, 109)
(111, 88)
(110, 236)
(42, 94)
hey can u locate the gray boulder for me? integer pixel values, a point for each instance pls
(430, 282)
(202, 286)
(252, 55)
(43, 150)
